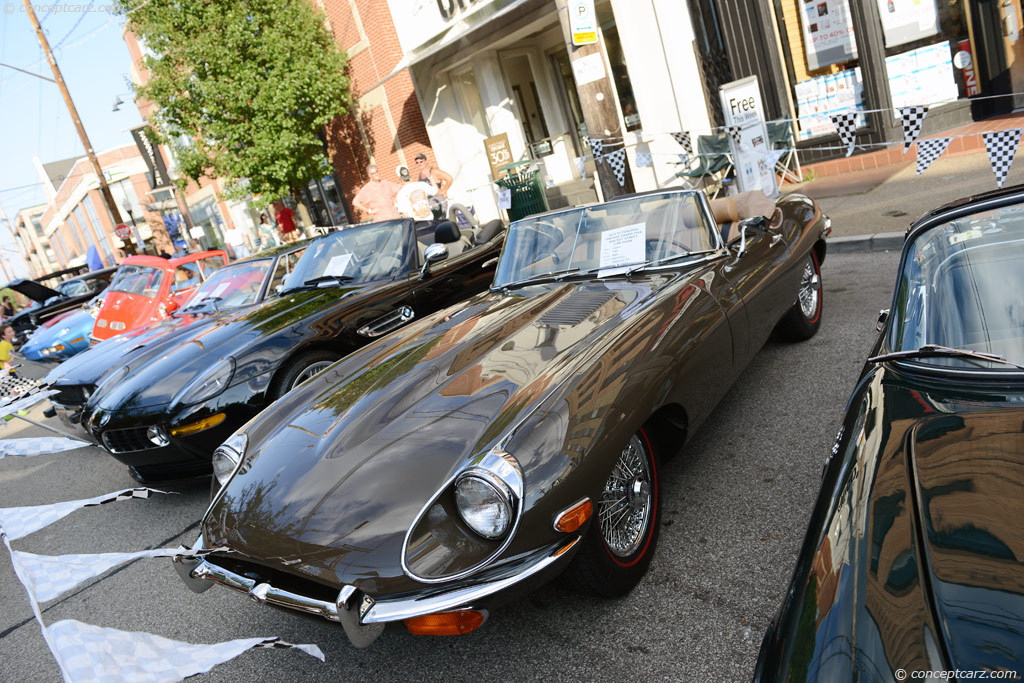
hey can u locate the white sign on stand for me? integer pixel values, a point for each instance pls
(752, 157)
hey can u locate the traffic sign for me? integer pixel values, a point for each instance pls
(122, 231)
(583, 22)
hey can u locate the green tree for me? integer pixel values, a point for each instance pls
(243, 89)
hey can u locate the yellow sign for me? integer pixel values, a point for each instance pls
(585, 38)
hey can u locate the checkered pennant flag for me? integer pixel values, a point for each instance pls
(644, 160)
(1001, 147)
(617, 161)
(597, 146)
(734, 133)
(912, 119)
(581, 166)
(683, 138)
(846, 126)
(88, 654)
(929, 150)
(19, 522)
(25, 402)
(14, 386)
(38, 445)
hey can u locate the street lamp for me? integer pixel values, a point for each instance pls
(127, 206)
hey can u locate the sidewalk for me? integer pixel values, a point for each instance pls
(862, 206)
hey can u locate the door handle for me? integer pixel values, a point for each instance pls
(775, 240)
(387, 323)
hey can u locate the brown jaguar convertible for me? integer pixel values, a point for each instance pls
(482, 450)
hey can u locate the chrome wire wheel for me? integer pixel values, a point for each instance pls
(627, 502)
(312, 370)
(810, 290)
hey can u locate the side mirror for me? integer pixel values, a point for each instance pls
(435, 253)
(883, 317)
(754, 223)
(171, 305)
(279, 288)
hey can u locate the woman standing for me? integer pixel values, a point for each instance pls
(267, 234)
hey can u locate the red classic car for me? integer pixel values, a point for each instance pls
(147, 288)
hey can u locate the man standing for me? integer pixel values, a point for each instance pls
(239, 243)
(286, 221)
(376, 199)
(433, 175)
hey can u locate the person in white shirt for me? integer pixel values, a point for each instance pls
(239, 242)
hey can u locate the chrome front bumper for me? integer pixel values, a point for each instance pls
(71, 419)
(363, 618)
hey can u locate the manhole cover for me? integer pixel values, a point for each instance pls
(895, 213)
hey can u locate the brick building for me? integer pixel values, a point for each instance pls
(76, 216)
(38, 253)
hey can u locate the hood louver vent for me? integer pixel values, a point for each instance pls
(574, 309)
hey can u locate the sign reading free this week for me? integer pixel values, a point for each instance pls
(752, 156)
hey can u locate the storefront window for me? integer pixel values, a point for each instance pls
(206, 223)
(922, 42)
(627, 102)
(823, 61)
(563, 70)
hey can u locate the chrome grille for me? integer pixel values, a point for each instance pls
(127, 440)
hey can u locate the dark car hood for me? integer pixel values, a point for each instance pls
(341, 469)
(33, 290)
(132, 348)
(177, 362)
(970, 479)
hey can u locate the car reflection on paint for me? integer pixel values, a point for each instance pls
(912, 561)
(463, 460)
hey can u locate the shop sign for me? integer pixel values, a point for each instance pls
(158, 177)
(582, 22)
(418, 22)
(752, 156)
(904, 21)
(966, 64)
(828, 33)
(499, 154)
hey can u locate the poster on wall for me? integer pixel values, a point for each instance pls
(818, 98)
(751, 153)
(904, 21)
(922, 76)
(828, 32)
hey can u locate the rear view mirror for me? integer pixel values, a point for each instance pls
(883, 317)
(753, 223)
(434, 253)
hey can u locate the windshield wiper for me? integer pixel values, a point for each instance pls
(937, 351)
(542, 279)
(197, 306)
(668, 259)
(326, 278)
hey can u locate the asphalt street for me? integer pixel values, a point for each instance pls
(735, 506)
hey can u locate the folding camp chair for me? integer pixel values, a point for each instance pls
(783, 145)
(713, 164)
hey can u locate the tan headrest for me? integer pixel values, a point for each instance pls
(754, 203)
(725, 210)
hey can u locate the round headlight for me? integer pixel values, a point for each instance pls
(157, 436)
(483, 507)
(227, 456)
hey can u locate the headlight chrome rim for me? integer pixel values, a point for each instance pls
(231, 452)
(500, 466)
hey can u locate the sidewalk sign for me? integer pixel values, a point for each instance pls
(752, 157)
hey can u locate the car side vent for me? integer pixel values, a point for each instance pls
(574, 309)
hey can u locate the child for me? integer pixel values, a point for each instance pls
(7, 347)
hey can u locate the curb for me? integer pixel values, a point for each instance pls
(879, 241)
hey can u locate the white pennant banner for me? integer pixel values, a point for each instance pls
(912, 119)
(47, 577)
(643, 160)
(617, 162)
(88, 654)
(25, 402)
(929, 150)
(38, 445)
(18, 522)
(846, 125)
(581, 166)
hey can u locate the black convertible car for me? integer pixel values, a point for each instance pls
(50, 303)
(913, 563)
(165, 416)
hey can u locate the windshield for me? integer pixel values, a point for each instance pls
(142, 280)
(231, 286)
(73, 288)
(605, 239)
(961, 287)
(356, 255)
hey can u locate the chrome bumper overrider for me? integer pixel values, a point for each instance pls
(360, 614)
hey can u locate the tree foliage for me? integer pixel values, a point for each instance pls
(242, 88)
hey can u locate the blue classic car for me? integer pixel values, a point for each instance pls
(62, 338)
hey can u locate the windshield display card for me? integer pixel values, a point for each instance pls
(622, 248)
(338, 265)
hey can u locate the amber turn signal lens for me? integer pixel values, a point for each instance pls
(445, 624)
(198, 426)
(573, 518)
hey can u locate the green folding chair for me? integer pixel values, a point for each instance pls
(783, 144)
(711, 166)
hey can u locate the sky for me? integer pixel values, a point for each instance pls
(34, 121)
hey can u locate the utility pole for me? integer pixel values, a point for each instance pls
(599, 104)
(45, 44)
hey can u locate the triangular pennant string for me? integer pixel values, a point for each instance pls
(1001, 147)
(38, 445)
(683, 138)
(597, 146)
(929, 150)
(912, 119)
(617, 161)
(18, 522)
(846, 126)
(734, 133)
(581, 166)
